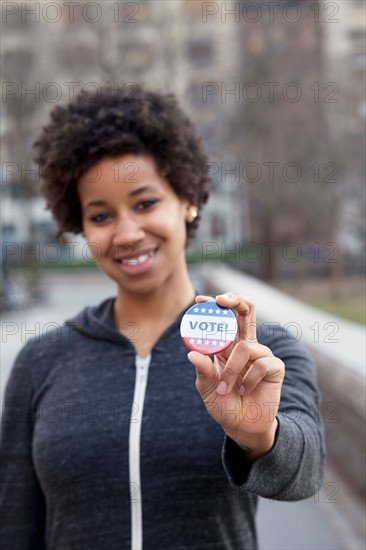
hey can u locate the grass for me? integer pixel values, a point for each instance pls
(193, 257)
(63, 264)
(352, 310)
(76, 264)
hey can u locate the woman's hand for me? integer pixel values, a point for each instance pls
(242, 387)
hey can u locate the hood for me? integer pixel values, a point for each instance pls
(97, 322)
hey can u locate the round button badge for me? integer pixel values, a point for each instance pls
(208, 328)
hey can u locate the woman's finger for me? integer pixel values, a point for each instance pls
(244, 353)
(246, 315)
(272, 369)
(202, 298)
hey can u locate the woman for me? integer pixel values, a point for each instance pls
(111, 439)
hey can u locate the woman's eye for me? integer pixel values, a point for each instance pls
(98, 218)
(148, 203)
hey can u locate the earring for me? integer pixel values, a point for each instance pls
(193, 215)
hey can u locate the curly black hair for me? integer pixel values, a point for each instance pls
(118, 122)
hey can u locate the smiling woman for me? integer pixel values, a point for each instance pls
(174, 456)
(139, 227)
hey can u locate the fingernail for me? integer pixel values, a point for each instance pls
(221, 388)
(242, 390)
(226, 296)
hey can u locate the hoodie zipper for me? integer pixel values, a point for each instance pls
(142, 368)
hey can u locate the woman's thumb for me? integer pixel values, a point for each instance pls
(207, 378)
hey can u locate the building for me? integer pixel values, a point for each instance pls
(51, 53)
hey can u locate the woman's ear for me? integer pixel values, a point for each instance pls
(192, 213)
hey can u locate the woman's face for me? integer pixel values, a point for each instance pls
(134, 222)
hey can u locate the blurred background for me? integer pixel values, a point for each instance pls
(277, 90)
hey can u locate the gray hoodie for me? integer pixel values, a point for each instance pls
(100, 450)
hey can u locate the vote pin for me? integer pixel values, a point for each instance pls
(208, 328)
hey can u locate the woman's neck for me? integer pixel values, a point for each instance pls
(158, 308)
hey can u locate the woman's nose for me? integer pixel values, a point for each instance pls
(128, 230)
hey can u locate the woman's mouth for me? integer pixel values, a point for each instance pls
(138, 263)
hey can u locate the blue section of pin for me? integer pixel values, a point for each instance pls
(210, 308)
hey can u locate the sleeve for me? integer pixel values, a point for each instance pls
(294, 468)
(22, 504)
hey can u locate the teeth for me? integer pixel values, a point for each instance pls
(139, 260)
